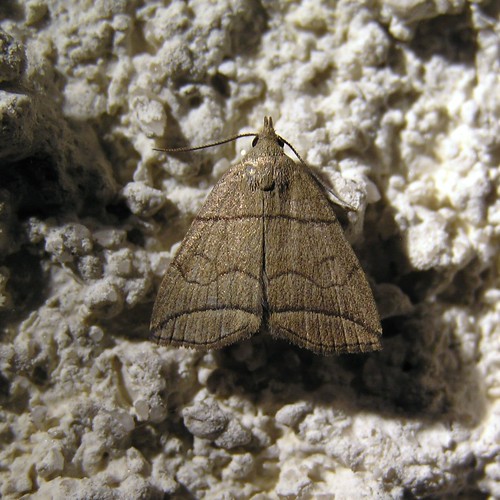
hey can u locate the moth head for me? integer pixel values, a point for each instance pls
(277, 138)
(268, 132)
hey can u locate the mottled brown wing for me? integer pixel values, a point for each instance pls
(211, 295)
(317, 293)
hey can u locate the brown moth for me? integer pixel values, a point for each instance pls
(267, 253)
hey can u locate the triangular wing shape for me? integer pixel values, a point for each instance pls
(317, 294)
(211, 295)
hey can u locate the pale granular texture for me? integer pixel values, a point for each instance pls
(396, 104)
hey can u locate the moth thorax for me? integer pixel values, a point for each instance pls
(260, 177)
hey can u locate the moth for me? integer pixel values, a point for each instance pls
(266, 253)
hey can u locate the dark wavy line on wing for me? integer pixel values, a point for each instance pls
(229, 271)
(231, 218)
(219, 340)
(155, 336)
(330, 314)
(354, 268)
(344, 348)
(202, 310)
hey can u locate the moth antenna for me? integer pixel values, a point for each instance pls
(332, 193)
(295, 152)
(209, 145)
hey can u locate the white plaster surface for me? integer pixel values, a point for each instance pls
(397, 102)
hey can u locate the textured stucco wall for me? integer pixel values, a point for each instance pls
(397, 102)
